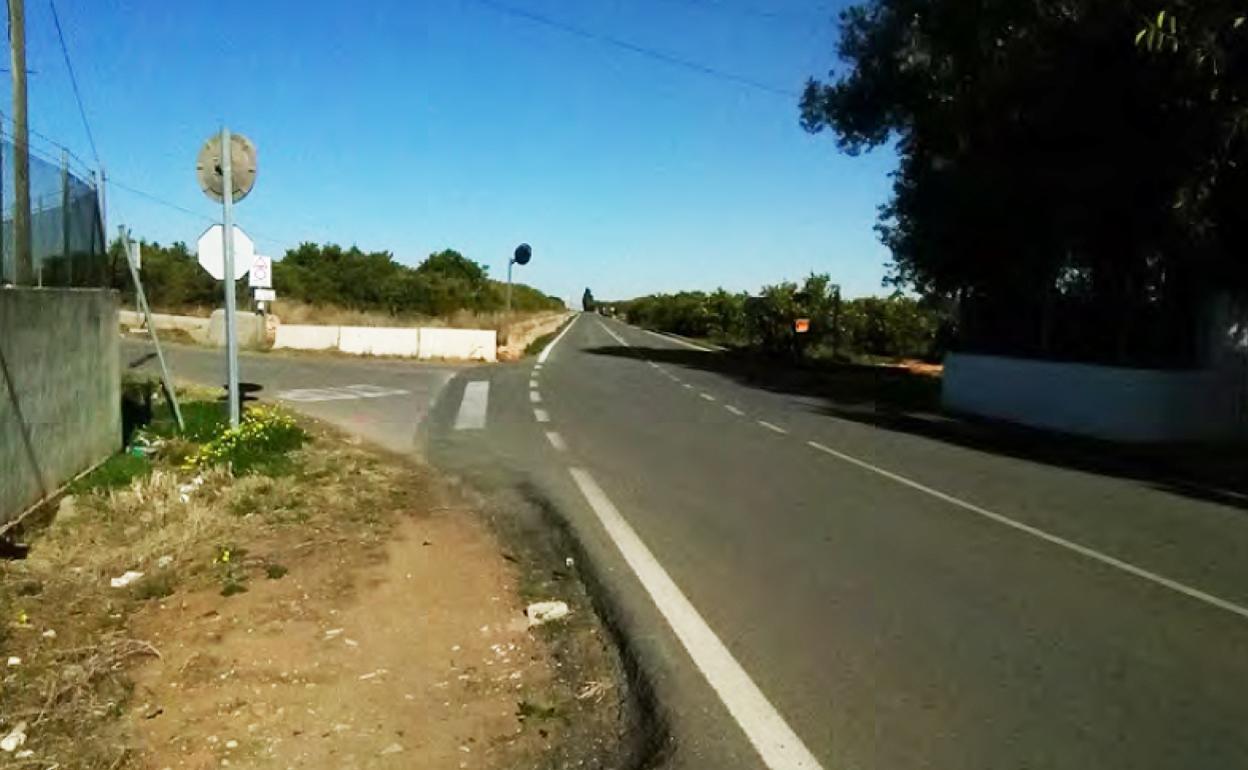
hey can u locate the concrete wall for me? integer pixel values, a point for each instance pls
(1136, 405)
(379, 341)
(60, 398)
(459, 344)
(298, 337)
(196, 327)
(249, 328)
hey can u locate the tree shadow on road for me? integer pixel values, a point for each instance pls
(896, 399)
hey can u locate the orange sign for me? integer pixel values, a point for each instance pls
(802, 325)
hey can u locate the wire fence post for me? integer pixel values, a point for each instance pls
(141, 298)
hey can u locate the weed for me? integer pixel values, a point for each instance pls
(527, 709)
(117, 471)
(259, 444)
(233, 577)
(275, 571)
(156, 586)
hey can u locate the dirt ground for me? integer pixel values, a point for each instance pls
(358, 612)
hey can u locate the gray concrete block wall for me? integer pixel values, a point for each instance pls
(60, 389)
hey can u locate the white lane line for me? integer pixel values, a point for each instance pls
(774, 428)
(472, 409)
(541, 415)
(686, 385)
(679, 341)
(734, 410)
(532, 383)
(707, 396)
(614, 336)
(771, 736)
(556, 441)
(535, 397)
(653, 365)
(537, 368)
(1061, 542)
(541, 358)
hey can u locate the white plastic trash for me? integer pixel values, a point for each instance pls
(545, 612)
(125, 580)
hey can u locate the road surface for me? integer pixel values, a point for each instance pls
(812, 591)
(384, 401)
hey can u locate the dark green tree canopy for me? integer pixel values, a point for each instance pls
(1076, 189)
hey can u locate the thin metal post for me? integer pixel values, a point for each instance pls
(510, 262)
(141, 298)
(23, 257)
(65, 255)
(5, 272)
(227, 232)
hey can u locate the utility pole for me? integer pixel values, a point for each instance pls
(22, 258)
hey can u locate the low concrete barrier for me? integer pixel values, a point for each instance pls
(193, 325)
(1136, 405)
(459, 344)
(299, 337)
(379, 341)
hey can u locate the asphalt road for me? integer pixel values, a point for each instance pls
(384, 401)
(807, 589)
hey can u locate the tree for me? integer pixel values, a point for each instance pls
(587, 301)
(1069, 189)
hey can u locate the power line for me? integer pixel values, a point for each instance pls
(796, 17)
(73, 81)
(640, 50)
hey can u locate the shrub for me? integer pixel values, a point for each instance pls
(260, 443)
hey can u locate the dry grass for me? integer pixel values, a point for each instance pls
(71, 630)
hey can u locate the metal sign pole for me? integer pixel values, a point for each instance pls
(227, 234)
(510, 262)
(140, 298)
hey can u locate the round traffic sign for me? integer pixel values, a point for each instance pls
(523, 254)
(242, 167)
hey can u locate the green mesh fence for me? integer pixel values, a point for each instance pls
(66, 232)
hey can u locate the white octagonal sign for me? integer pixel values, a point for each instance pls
(211, 250)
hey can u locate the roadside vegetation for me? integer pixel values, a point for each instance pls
(327, 283)
(198, 601)
(866, 329)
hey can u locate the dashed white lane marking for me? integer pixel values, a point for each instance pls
(541, 415)
(734, 410)
(537, 367)
(686, 385)
(773, 739)
(707, 396)
(1061, 542)
(535, 397)
(556, 441)
(614, 336)
(532, 383)
(541, 358)
(775, 428)
(473, 408)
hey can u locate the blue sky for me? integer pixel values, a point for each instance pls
(414, 126)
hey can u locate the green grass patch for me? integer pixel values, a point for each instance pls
(117, 471)
(262, 444)
(205, 420)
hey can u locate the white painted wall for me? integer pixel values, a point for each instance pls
(459, 344)
(299, 337)
(1137, 405)
(379, 341)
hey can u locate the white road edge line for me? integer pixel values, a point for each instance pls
(1082, 550)
(541, 415)
(541, 358)
(535, 397)
(734, 410)
(679, 341)
(775, 428)
(556, 441)
(773, 739)
(614, 336)
(473, 407)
